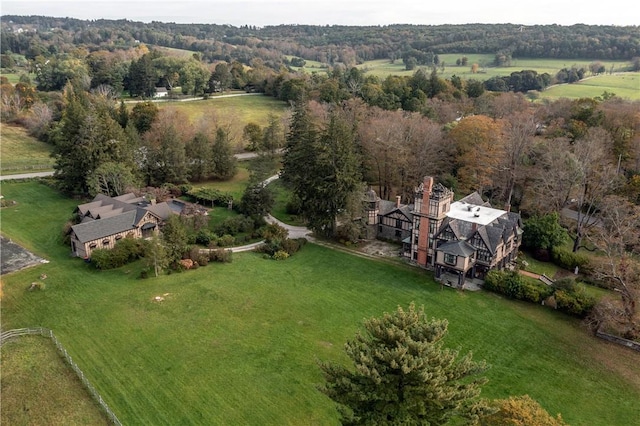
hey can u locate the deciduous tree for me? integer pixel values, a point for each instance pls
(520, 411)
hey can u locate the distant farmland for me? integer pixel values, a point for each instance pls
(625, 85)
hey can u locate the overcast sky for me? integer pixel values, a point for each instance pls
(338, 12)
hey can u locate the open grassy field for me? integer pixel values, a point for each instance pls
(39, 388)
(238, 343)
(624, 85)
(21, 153)
(383, 67)
(239, 109)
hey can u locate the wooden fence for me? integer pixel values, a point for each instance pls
(12, 334)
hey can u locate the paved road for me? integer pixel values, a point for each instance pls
(241, 157)
(26, 176)
(157, 100)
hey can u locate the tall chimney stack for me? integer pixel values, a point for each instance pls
(397, 201)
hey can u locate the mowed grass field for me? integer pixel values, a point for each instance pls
(238, 343)
(624, 85)
(21, 153)
(39, 388)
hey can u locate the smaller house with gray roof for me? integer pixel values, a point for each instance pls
(106, 220)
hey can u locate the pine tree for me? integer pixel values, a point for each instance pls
(223, 162)
(402, 375)
(322, 168)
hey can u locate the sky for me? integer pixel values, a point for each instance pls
(338, 12)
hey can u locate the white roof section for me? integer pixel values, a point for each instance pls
(473, 213)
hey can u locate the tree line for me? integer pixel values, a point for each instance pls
(328, 44)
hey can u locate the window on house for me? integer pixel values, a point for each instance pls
(119, 237)
(105, 242)
(93, 245)
(398, 223)
(450, 259)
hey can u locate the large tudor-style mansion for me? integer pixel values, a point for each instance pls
(466, 238)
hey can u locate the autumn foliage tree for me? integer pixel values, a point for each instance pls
(402, 374)
(479, 150)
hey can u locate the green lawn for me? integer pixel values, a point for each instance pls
(21, 153)
(238, 343)
(383, 67)
(39, 388)
(282, 196)
(624, 85)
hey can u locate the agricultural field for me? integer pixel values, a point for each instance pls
(238, 343)
(21, 153)
(624, 85)
(233, 112)
(383, 67)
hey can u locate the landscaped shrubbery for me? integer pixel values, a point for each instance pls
(572, 299)
(512, 284)
(568, 260)
(569, 297)
(125, 251)
(277, 245)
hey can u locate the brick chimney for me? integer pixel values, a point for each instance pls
(397, 201)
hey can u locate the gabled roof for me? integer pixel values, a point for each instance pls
(162, 210)
(457, 248)
(96, 229)
(388, 207)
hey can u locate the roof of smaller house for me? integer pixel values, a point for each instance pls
(457, 248)
(162, 210)
(96, 229)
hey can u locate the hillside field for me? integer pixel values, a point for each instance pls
(21, 153)
(239, 343)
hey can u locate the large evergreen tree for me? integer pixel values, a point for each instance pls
(87, 137)
(323, 168)
(223, 162)
(402, 375)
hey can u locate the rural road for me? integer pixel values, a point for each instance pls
(233, 95)
(242, 156)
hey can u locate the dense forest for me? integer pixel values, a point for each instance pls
(328, 44)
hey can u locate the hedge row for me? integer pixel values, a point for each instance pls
(569, 297)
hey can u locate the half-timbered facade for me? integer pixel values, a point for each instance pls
(466, 238)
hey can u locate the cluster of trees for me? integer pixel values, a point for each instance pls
(100, 147)
(415, 44)
(327, 44)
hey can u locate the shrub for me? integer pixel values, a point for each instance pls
(221, 255)
(203, 237)
(280, 255)
(125, 251)
(568, 260)
(577, 303)
(535, 291)
(226, 240)
(234, 225)
(290, 246)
